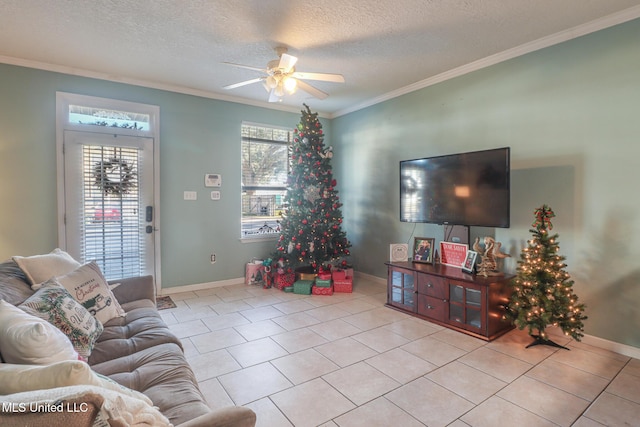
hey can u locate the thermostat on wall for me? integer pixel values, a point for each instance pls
(212, 180)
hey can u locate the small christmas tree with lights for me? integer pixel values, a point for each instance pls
(311, 227)
(542, 290)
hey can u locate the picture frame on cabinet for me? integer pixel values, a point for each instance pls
(423, 248)
(470, 262)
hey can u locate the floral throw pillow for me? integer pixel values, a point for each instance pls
(55, 304)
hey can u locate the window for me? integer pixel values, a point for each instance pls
(265, 167)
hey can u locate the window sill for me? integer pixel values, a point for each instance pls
(259, 238)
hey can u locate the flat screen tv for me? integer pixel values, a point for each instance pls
(470, 189)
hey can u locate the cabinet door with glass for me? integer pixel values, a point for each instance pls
(402, 291)
(465, 306)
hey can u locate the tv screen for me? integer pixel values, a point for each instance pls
(459, 189)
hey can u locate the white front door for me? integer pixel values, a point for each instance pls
(108, 202)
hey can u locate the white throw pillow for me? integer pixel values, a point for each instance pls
(89, 287)
(40, 268)
(21, 378)
(26, 339)
(54, 304)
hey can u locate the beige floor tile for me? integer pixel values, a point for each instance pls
(401, 365)
(355, 306)
(295, 306)
(231, 307)
(430, 403)
(180, 296)
(467, 382)
(610, 410)
(214, 394)
(298, 340)
(413, 329)
(189, 329)
(257, 330)
(235, 295)
(311, 403)
(499, 412)
(257, 351)
(381, 339)
(268, 414)
(187, 314)
(197, 302)
(346, 351)
(261, 313)
(377, 413)
(496, 364)
(632, 368)
(544, 400)
(328, 312)
(572, 380)
(458, 339)
(296, 321)
(586, 422)
(603, 366)
(213, 364)
(626, 386)
(304, 366)
(366, 320)
(361, 382)
(253, 383)
(216, 340)
(335, 329)
(225, 321)
(515, 344)
(434, 351)
(262, 301)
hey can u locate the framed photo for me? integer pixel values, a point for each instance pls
(423, 248)
(453, 254)
(470, 262)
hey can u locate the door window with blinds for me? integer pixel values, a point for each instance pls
(265, 167)
(106, 182)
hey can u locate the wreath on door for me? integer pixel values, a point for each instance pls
(114, 176)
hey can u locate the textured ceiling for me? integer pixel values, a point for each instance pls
(382, 47)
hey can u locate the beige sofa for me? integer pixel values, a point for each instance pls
(137, 351)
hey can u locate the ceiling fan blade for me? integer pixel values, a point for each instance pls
(246, 82)
(325, 77)
(273, 97)
(287, 62)
(248, 67)
(312, 90)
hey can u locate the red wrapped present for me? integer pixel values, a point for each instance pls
(316, 290)
(324, 276)
(284, 280)
(343, 274)
(344, 286)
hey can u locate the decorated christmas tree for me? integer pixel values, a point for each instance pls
(311, 227)
(542, 290)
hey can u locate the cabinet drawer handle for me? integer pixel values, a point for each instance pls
(430, 307)
(429, 285)
(445, 300)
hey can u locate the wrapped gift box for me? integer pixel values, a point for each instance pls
(302, 287)
(344, 286)
(317, 290)
(254, 273)
(324, 276)
(283, 280)
(343, 274)
(323, 283)
(288, 289)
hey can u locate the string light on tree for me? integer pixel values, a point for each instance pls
(542, 292)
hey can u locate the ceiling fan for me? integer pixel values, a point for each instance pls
(281, 77)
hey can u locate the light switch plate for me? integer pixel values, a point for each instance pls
(215, 195)
(190, 195)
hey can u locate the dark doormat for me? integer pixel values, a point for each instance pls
(165, 302)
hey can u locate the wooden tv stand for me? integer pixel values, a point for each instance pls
(449, 297)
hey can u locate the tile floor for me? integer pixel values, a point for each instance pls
(346, 360)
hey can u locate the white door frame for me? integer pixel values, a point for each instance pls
(63, 101)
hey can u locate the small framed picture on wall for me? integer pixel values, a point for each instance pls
(423, 248)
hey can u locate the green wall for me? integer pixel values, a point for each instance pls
(197, 136)
(571, 115)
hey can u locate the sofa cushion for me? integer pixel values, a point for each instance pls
(13, 283)
(21, 378)
(25, 338)
(40, 268)
(140, 328)
(53, 303)
(159, 372)
(89, 287)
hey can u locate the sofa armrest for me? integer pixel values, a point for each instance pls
(232, 416)
(134, 288)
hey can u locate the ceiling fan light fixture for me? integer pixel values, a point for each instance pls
(279, 91)
(290, 85)
(272, 82)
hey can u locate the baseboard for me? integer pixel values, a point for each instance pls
(201, 286)
(371, 277)
(616, 347)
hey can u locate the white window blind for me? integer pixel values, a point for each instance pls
(265, 167)
(113, 233)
